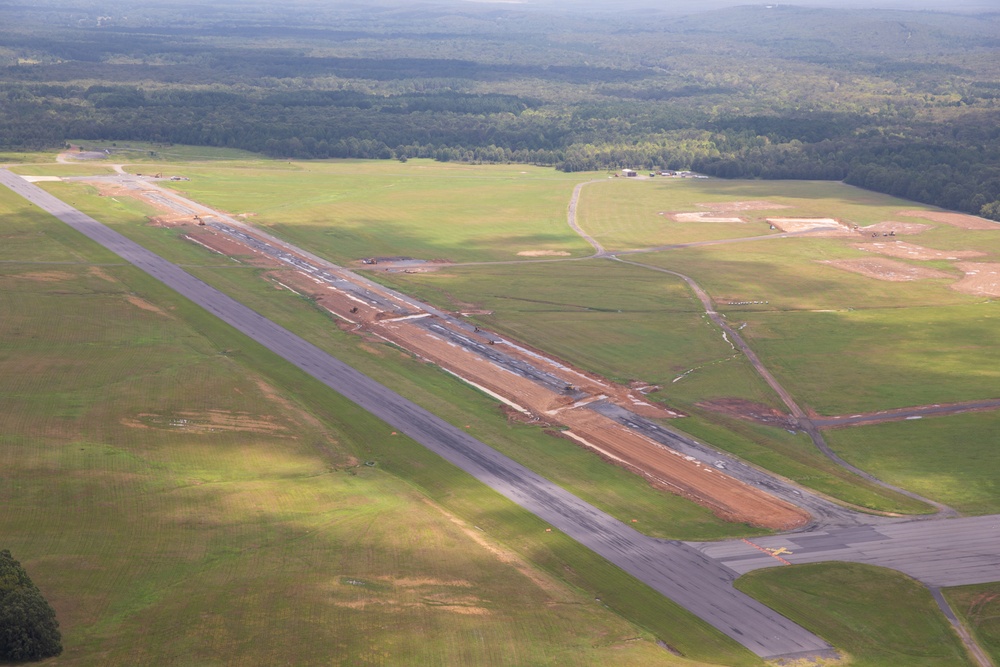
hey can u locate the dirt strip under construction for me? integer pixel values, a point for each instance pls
(534, 385)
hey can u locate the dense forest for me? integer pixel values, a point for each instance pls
(901, 102)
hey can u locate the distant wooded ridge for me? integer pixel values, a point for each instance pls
(900, 102)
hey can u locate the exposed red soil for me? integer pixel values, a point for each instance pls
(750, 411)
(668, 469)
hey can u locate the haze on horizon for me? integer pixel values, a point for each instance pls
(680, 7)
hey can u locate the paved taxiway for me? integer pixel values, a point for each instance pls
(949, 552)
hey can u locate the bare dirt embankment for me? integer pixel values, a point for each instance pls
(982, 279)
(537, 403)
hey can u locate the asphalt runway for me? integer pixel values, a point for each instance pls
(679, 571)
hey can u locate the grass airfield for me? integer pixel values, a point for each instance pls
(283, 523)
(178, 504)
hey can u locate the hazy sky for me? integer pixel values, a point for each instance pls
(692, 6)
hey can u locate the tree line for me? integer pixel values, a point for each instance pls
(773, 105)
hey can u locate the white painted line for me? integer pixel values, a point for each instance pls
(207, 247)
(486, 391)
(407, 317)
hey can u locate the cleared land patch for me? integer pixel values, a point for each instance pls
(750, 205)
(703, 216)
(209, 421)
(980, 279)
(886, 269)
(825, 225)
(887, 226)
(905, 250)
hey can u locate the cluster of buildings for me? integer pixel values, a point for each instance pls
(632, 173)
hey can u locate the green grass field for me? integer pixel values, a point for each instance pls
(618, 492)
(864, 361)
(952, 459)
(347, 210)
(795, 457)
(979, 607)
(571, 309)
(143, 152)
(878, 617)
(209, 482)
(624, 214)
(182, 497)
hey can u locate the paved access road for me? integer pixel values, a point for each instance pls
(676, 570)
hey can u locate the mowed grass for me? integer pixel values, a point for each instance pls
(26, 233)
(614, 319)
(617, 320)
(841, 342)
(348, 210)
(621, 493)
(630, 324)
(624, 213)
(864, 361)
(80, 168)
(142, 152)
(878, 617)
(951, 459)
(793, 455)
(180, 502)
(979, 607)
(614, 490)
(9, 157)
(793, 274)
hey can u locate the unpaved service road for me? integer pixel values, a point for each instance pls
(681, 572)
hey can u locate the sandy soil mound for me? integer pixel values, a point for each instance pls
(905, 250)
(751, 411)
(752, 205)
(955, 219)
(893, 226)
(703, 216)
(980, 278)
(886, 269)
(828, 226)
(543, 253)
